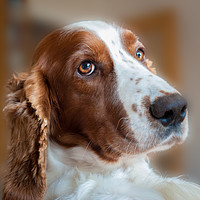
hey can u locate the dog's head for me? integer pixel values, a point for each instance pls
(91, 86)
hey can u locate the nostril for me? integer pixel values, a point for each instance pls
(183, 113)
(166, 118)
(168, 114)
(183, 110)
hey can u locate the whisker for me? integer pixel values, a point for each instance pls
(127, 149)
(86, 148)
(123, 118)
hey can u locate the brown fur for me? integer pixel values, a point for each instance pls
(129, 41)
(131, 44)
(25, 178)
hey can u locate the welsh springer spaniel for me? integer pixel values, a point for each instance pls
(92, 96)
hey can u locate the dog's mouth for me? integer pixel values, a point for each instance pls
(159, 140)
(173, 134)
(166, 137)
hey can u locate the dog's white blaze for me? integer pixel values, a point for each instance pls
(127, 68)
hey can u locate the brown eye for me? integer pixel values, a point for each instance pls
(140, 55)
(86, 68)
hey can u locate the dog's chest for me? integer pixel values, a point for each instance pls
(79, 174)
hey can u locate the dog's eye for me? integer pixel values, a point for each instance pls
(86, 68)
(140, 55)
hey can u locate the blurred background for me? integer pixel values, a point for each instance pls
(170, 30)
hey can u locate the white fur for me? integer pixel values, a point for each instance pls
(79, 174)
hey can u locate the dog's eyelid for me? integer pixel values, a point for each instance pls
(141, 48)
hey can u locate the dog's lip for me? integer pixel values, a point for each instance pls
(173, 139)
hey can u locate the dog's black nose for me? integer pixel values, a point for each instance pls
(169, 109)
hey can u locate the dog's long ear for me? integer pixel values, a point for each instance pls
(28, 109)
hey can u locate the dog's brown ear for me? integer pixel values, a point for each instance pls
(28, 109)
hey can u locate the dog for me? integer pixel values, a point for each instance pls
(86, 115)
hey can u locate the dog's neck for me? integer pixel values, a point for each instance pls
(86, 160)
(61, 160)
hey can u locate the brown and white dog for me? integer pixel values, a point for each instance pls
(93, 98)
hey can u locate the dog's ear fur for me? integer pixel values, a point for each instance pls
(149, 64)
(28, 110)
